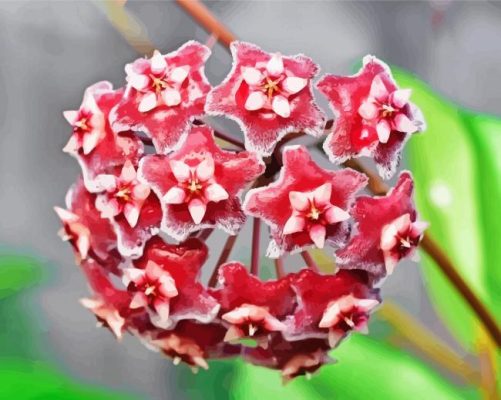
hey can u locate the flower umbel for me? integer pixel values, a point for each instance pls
(138, 219)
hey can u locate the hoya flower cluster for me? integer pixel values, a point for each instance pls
(155, 183)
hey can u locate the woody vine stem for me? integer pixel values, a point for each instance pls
(376, 185)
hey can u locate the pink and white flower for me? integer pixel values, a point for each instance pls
(269, 95)
(373, 116)
(306, 205)
(164, 95)
(387, 230)
(199, 184)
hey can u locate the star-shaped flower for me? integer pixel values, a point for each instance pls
(269, 95)
(134, 211)
(374, 116)
(164, 94)
(330, 306)
(199, 184)
(175, 270)
(83, 225)
(306, 205)
(387, 230)
(97, 148)
(251, 307)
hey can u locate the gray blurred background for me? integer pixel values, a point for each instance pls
(51, 51)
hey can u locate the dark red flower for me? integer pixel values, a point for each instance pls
(83, 226)
(269, 95)
(174, 270)
(96, 147)
(387, 230)
(251, 307)
(306, 205)
(199, 184)
(164, 94)
(330, 306)
(373, 116)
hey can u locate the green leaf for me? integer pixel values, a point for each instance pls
(17, 272)
(367, 369)
(457, 171)
(22, 380)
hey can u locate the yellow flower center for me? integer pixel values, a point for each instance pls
(194, 186)
(270, 87)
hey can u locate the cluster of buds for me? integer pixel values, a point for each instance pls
(157, 180)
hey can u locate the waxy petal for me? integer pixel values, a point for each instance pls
(294, 84)
(383, 129)
(215, 193)
(275, 65)
(317, 234)
(255, 101)
(175, 195)
(148, 102)
(281, 106)
(171, 97)
(197, 210)
(252, 76)
(158, 63)
(179, 74)
(293, 225)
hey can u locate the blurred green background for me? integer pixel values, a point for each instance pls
(424, 343)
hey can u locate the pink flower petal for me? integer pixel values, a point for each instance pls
(293, 225)
(205, 170)
(275, 65)
(175, 195)
(299, 200)
(399, 98)
(368, 110)
(180, 170)
(281, 106)
(404, 124)
(158, 63)
(383, 129)
(90, 141)
(139, 300)
(141, 191)
(179, 74)
(215, 193)
(335, 214)
(131, 213)
(252, 76)
(378, 89)
(317, 235)
(197, 209)
(255, 101)
(293, 84)
(322, 194)
(71, 116)
(148, 102)
(138, 81)
(128, 173)
(171, 97)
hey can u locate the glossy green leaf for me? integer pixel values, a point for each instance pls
(367, 369)
(23, 380)
(457, 171)
(17, 272)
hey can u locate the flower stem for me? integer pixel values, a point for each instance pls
(255, 255)
(225, 254)
(205, 234)
(279, 267)
(308, 259)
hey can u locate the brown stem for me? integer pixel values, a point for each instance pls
(205, 234)
(205, 18)
(308, 259)
(255, 255)
(279, 267)
(211, 24)
(225, 254)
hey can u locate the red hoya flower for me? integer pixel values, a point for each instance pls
(306, 205)
(374, 116)
(269, 95)
(83, 226)
(388, 230)
(135, 212)
(109, 304)
(250, 307)
(198, 184)
(330, 306)
(96, 147)
(180, 265)
(164, 94)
